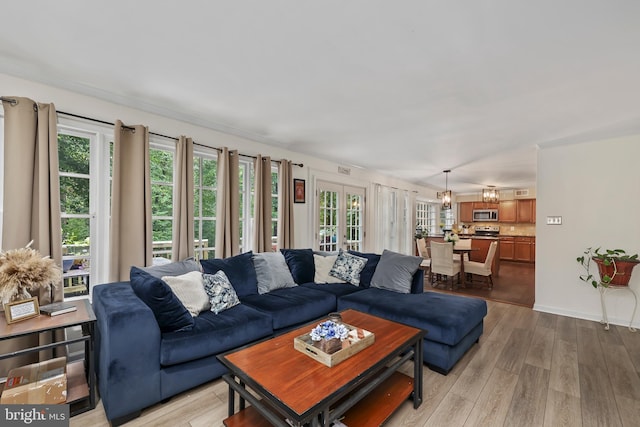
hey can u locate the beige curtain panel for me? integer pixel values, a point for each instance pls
(131, 240)
(183, 201)
(228, 202)
(285, 205)
(31, 198)
(262, 205)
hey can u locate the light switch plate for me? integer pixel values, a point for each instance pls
(554, 220)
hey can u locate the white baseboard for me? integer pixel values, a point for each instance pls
(586, 316)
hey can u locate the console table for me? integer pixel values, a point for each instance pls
(81, 376)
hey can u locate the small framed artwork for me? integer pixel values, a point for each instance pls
(21, 310)
(299, 191)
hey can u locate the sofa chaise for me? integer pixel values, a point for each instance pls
(140, 362)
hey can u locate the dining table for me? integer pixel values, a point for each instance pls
(462, 251)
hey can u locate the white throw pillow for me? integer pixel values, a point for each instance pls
(190, 291)
(323, 267)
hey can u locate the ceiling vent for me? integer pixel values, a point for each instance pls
(522, 193)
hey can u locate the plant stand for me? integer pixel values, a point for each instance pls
(603, 293)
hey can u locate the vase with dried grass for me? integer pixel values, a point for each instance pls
(25, 270)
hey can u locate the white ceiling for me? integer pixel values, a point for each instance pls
(405, 87)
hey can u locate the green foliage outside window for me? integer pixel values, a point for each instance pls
(73, 158)
(74, 166)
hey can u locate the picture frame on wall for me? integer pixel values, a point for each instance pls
(299, 191)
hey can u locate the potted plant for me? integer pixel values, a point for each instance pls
(614, 266)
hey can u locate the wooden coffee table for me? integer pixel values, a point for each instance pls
(363, 390)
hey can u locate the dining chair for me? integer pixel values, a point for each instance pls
(423, 252)
(442, 262)
(483, 268)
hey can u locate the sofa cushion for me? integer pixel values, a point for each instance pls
(239, 270)
(190, 291)
(337, 289)
(291, 306)
(348, 267)
(213, 334)
(367, 272)
(169, 312)
(446, 318)
(221, 294)
(173, 268)
(395, 272)
(300, 262)
(323, 266)
(272, 272)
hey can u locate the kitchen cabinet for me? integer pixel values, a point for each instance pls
(465, 212)
(507, 211)
(526, 210)
(524, 249)
(507, 248)
(484, 205)
(533, 249)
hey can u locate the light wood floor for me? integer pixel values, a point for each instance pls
(529, 369)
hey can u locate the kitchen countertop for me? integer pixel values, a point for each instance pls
(471, 236)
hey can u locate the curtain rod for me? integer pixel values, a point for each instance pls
(9, 100)
(104, 122)
(161, 135)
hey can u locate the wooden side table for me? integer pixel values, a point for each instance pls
(81, 375)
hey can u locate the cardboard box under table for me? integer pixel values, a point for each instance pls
(38, 383)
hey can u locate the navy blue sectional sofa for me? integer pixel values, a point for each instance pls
(138, 365)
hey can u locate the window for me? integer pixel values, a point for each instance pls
(426, 217)
(84, 160)
(246, 187)
(247, 210)
(74, 150)
(354, 223)
(340, 217)
(393, 220)
(274, 208)
(161, 164)
(205, 166)
(447, 218)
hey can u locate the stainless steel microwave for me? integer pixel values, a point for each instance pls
(481, 215)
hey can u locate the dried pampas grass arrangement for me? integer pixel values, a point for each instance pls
(25, 270)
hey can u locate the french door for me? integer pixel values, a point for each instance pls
(340, 217)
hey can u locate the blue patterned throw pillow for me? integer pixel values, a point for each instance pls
(221, 294)
(348, 267)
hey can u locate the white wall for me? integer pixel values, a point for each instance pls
(595, 187)
(314, 168)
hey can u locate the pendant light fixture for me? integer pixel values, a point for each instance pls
(490, 195)
(446, 194)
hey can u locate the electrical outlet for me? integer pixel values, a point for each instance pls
(554, 220)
